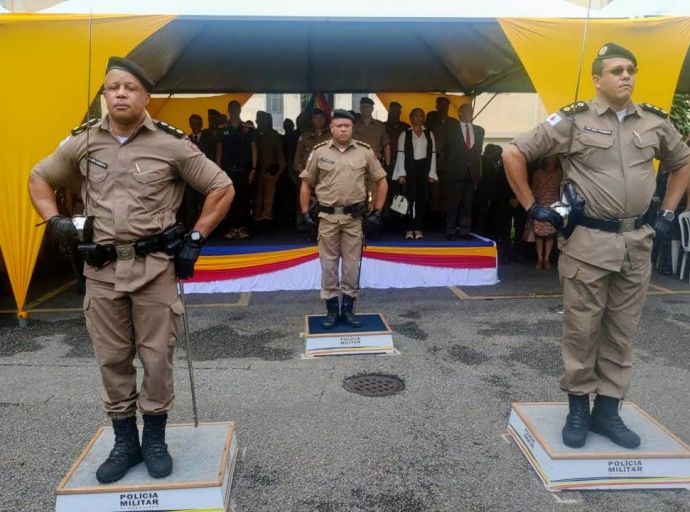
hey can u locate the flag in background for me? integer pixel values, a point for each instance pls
(319, 100)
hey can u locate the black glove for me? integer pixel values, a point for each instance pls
(63, 230)
(546, 214)
(663, 228)
(308, 221)
(186, 257)
(373, 223)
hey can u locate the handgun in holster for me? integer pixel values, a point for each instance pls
(359, 210)
(653, 211)
(577, 208)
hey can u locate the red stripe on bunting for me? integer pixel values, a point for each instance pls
(201, 276)
(435, 260)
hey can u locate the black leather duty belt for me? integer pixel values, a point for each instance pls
(613, 225)
(353, 208)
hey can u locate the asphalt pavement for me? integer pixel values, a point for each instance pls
(306, 444)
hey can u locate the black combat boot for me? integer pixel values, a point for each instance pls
(607, 422)
(333, 313)
(577, 422)
(348, 314)
(158, 461)
(125, 454)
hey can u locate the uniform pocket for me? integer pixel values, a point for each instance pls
(597, 140)
(646, 145)
(325, 166)
(96, 175)
(176, 310)
(155, 186)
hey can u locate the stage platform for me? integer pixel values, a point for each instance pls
(662, 461)
(203, 466)
(374, 336)
(272, 263)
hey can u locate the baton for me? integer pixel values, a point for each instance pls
(188, 349)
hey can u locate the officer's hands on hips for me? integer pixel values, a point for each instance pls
(188, 254)
(663, 228)
(546, 214)
(63, 230)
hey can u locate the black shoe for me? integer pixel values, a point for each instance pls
(158, 461)
(466, 236)
(333, 313)
(577, 422)
(348, 314)
(452, 235)
(607, 422)
(125, 454)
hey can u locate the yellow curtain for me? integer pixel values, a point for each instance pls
(43, 94)
(176, 111)
(423, 100)
(550, 51)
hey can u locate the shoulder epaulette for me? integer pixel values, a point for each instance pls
(84, 126)
(362, 144)
(169, 129)
(654, 110)
(320, 144)
(574, 108)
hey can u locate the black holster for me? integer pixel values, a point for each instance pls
(653, 211)
(577, 208)
(359, 210)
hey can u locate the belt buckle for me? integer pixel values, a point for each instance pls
(125, 252)
(627, 224)
(340, 210)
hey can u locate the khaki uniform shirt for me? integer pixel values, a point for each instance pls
(611, 164)
(374, 134)
(270, 151)
(306, 143)
(339, 177)
(134, 190)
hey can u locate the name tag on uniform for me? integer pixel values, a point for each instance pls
(598, 130)
(97, 162)
(327, 160)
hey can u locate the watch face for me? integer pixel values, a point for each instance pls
(195, 236)
(668, 215)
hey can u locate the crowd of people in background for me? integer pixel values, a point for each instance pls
(452, 182)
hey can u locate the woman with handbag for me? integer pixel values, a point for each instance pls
(415, 167)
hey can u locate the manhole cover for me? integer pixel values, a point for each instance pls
(374, 384)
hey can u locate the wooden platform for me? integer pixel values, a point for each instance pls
(373, 337)
(203, 467)
(661, 462)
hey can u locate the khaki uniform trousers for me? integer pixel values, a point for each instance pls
(122, 324)
(264, 194)
(602, 309)
(340, 237)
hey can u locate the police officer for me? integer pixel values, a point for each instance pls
(307, 140)
(608, 145)
(337, 170)
(133, 171)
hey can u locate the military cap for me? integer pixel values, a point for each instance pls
(365, 100)
(133, 68)
(339, 113)
(318, 112)
(611, 50)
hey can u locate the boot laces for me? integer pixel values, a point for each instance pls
(616, 424)
(155, 447)
(120, 451)
(578, 418)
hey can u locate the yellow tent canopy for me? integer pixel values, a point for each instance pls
(59, 70)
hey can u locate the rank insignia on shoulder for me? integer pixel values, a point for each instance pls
(321, 144)
(362, 144)
(654, 109)
(82, 127)
(169, 129)
(574, 108)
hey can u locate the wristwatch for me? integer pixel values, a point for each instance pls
(196, 236)
(668, 215)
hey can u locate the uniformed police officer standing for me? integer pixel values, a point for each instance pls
(133, 172)
(318, 133)
(337, 170)
(608, 145)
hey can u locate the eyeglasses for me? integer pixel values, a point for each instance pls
(618, 70)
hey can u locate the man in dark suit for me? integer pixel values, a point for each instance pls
(463, 154)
